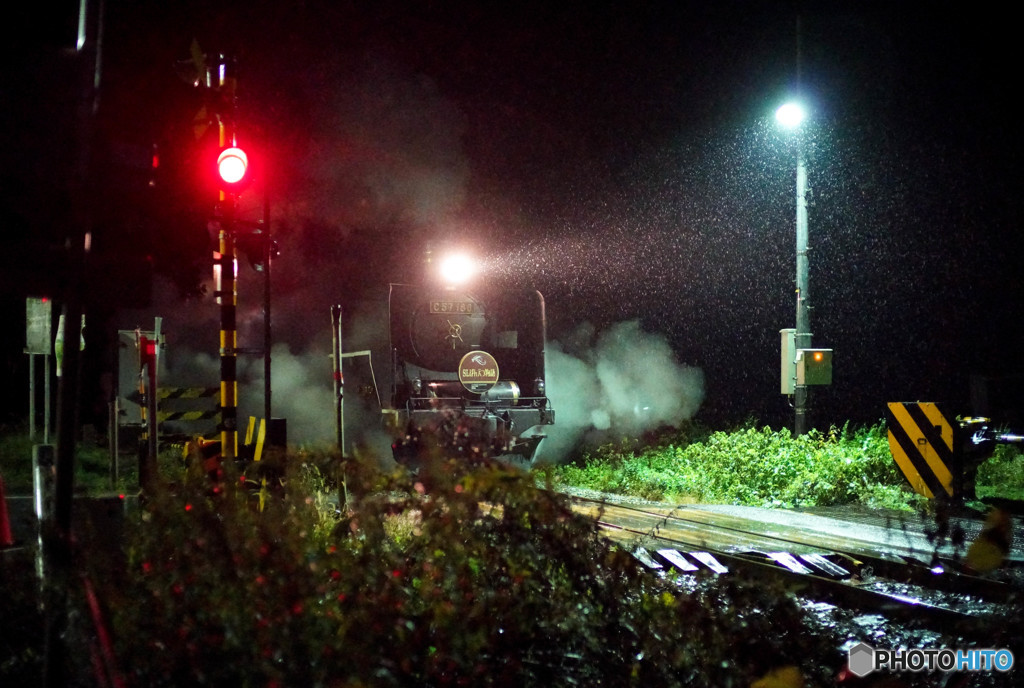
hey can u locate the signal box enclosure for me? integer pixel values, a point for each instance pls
(814, 366)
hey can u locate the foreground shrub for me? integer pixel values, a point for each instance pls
(479, 580)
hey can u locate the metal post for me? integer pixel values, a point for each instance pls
(113, 443)
(46, 399)
(803, 294)
(152, 400)
(339, 379)
(32, 397)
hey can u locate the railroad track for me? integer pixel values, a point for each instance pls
(897, 573)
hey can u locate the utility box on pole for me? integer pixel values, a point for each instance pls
(814, 366)
(787, 378)
(802, 367)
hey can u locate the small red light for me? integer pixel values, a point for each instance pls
(818, 356)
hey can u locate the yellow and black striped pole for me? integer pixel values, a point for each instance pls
(228, 292)
(228, 343)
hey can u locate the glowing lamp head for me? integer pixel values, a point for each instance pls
(457, 269)
(232, 164)
(790, 115)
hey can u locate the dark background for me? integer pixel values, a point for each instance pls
(621, 157)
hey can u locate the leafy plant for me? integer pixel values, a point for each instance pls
(1002, 475)
(754, 466)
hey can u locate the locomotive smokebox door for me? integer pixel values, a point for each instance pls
(442, 330)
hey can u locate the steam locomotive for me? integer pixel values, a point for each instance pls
(468, 374)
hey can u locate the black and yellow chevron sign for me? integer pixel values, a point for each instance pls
(187, 392)
(188, 396)
(922, 442)
(181, 416)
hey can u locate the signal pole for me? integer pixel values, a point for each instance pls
(227, 292)
(791, 116)
(803, 291)
(227, 295)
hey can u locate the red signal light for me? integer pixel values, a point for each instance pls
(232, 165)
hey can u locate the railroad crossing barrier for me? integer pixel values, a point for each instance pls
(196, 408)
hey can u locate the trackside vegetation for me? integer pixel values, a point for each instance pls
(759, 466)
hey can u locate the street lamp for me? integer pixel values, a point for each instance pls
(791, 116)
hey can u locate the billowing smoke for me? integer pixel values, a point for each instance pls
(621, 382)
(301, 393)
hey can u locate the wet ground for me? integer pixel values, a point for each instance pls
(917, 538)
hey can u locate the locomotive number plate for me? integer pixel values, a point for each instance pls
(451, 307)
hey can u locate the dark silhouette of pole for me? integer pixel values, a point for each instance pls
(57, 544)
(267, 259)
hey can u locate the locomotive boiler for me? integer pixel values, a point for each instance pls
(468, 373)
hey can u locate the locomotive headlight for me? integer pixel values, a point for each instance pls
(457, 268)
(538, 387)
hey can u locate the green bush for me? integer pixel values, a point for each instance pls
(473, 577)
(1002, 475)
(755, 467)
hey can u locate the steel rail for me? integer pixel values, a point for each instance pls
(657, 528)
(904, 567)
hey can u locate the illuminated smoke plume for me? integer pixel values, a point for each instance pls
(623, 384)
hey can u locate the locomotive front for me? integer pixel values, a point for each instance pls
(468, 373)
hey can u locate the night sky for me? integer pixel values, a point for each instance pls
(620, 157)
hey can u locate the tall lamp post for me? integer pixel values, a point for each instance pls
(791, 116)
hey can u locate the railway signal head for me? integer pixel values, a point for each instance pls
(232, 169)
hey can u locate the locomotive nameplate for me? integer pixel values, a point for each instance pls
(449, 307)
(478, 371)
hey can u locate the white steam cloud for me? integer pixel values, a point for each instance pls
(626, 382)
